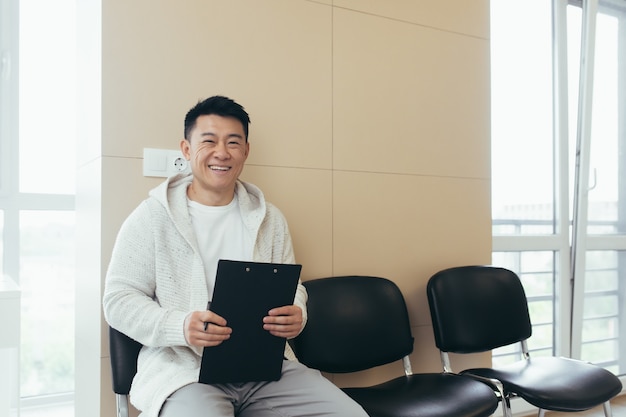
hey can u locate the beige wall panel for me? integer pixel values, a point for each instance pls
(274, 57)
(406, 228)
(467, 17)
(425, 357)
(326, 2)
(412, 101)
(123, 188)
(474, 360)
(368, 377)
(305, 198)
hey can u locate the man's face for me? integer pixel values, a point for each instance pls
(217, 151)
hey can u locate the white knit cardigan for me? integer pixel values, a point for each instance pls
(156, 278)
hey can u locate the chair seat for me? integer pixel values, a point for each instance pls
(427, 395)
(548, 382)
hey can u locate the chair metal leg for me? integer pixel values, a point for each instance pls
(505, 400)
(506, 406)
(121, 402)
(541, 413)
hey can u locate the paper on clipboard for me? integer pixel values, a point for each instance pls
(244, 293)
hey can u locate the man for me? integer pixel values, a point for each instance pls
(162, 273)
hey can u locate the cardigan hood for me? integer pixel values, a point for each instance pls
(171, 193)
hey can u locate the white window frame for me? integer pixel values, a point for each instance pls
(12, 201)
(569, 292)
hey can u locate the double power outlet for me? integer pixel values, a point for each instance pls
(163, 162)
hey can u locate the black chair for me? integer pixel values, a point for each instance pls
(124, 352)
(356, 323)
(480, 308)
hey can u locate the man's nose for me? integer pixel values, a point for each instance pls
(221, 150)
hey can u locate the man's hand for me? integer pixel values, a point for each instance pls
(215, 333)
(284, 321)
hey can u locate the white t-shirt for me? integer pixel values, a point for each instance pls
(221, 235)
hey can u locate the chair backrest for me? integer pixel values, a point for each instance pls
(354, 323)
(477, 308)
(124, 352)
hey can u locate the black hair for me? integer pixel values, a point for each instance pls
(218, 105)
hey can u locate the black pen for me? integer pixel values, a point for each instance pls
(206, 323)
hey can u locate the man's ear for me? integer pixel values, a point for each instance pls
(185, 149)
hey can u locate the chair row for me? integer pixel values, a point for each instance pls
(360, 322)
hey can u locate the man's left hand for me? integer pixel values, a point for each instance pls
(284, 321)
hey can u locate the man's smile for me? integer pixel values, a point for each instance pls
(218, 168)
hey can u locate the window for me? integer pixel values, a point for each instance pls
(37, 187)
(559, 197)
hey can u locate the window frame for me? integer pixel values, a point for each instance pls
(569, 293)
(12, 201)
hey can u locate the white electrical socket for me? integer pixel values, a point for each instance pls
(163, 162)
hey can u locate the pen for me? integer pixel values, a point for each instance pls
(206, 323)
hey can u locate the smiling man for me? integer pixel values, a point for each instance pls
(217, 148)
(162, 272)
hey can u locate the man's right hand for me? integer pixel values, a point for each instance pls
(216, 330)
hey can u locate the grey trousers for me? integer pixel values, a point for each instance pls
(301, 392)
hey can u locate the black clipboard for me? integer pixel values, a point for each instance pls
(244, 293)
